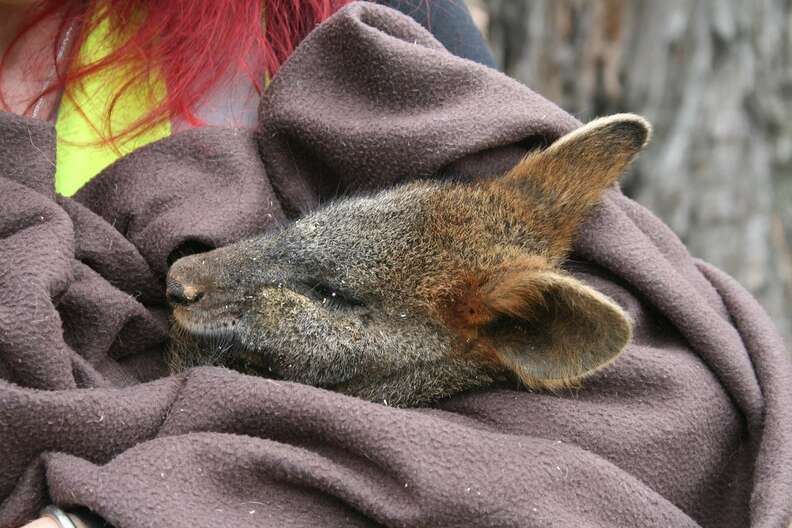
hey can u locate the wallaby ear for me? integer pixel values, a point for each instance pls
(568, 178)
(549, 328)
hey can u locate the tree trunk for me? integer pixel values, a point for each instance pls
(715, 79)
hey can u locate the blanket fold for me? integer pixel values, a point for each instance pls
(691, 426)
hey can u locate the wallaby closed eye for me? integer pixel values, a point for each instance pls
(426, 290)
(325, 294)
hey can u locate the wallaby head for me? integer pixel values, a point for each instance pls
(421, 291)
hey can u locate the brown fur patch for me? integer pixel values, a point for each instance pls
(568, 178)
(481, 296)
(536, 322)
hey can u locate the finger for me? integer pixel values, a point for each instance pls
(43, 522)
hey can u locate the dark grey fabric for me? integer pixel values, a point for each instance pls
(691, 426)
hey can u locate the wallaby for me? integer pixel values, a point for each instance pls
(421, 291)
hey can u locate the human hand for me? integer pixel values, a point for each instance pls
(76, 517)
(42, 522)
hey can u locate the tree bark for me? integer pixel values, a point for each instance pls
(715, 79)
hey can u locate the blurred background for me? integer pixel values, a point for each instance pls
(715, 79)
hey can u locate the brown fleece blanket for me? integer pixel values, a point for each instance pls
(692, 426)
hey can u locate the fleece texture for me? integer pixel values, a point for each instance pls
(691, 426)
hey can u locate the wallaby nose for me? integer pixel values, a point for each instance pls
(178, 293)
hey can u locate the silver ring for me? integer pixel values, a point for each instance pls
(59, 516)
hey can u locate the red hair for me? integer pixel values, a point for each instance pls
(194, 43)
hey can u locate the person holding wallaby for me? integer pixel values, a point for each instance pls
(477, 265)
